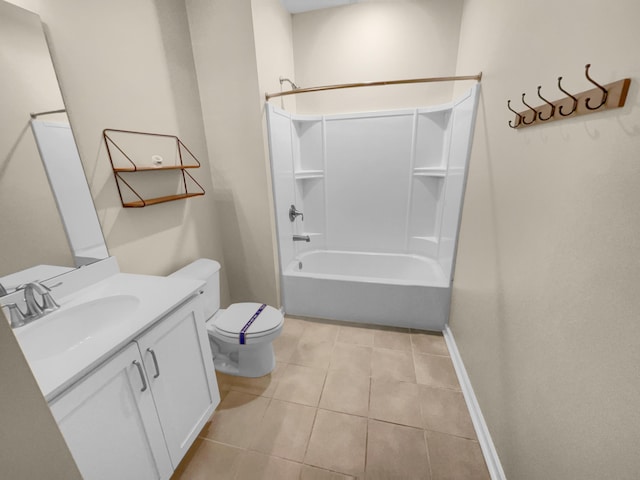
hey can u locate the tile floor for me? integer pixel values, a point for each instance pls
(344, 402)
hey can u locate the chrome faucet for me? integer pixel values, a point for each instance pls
(36, 310)
(301, 238)
(3, 291)
(293, 213)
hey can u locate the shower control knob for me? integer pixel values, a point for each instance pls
(293, 213)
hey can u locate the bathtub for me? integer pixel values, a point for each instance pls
(376, 288)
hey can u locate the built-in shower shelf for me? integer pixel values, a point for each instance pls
(306, 174)
(430, 239)
(430, 171)
(313, 234)
(424, 245)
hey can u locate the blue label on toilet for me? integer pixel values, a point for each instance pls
(248, 324)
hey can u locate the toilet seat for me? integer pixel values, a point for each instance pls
(230, 322)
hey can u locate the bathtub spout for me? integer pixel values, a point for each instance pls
(301, 238)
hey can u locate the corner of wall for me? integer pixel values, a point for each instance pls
(222, 35)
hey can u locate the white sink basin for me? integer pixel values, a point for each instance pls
(70, 327)
(97, 318)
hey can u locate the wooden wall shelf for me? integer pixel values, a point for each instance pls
(154, 201)
(127, 164)
(145, 169)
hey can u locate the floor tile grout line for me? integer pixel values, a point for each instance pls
(419, 352)
(429, 353)
(211, 440)
(315, 416)
(369, 402)
(250, 450)
(426, 445)
(369, 417)
(399, 424)
(366, 449)
(324, 383)
(317, 408)
(313, 425)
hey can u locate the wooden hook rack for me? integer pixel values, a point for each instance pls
(598, 99)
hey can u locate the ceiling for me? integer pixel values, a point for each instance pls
(299, 6)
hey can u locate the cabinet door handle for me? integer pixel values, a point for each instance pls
(144, 382)
(155, 362)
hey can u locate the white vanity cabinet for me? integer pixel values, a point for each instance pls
(136, 415)
(110, 424)
(179, 366)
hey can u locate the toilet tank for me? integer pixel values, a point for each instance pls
(208, 271)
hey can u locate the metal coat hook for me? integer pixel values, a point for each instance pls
(535, 112)
(613, 95)
(517, 114)
(553, 107)
(575, 100)
(604, 90)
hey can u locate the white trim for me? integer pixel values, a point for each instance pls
(482, 431)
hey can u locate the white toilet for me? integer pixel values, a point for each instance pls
(241, 336)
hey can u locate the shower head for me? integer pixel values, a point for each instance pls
(293, 85)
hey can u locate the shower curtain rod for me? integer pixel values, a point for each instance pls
(477, 77)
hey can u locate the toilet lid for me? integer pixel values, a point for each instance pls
(235, 318)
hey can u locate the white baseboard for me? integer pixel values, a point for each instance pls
(484, 438)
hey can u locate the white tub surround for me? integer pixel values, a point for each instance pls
(381, 194)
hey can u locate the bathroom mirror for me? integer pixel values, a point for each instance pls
(47, 215)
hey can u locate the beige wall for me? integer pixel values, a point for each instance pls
(545, 303)
(225, 56)
(376, 41)
(273, 38)
(129, 65)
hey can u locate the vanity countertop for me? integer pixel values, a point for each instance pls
(130, 304)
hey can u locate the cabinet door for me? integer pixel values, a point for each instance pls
(178, 362)
(110, 424)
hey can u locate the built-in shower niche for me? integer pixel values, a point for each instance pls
(310, 192)
(307, 142)
(430, 162)
(425, 215)
(431, 140)
(308, 149)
